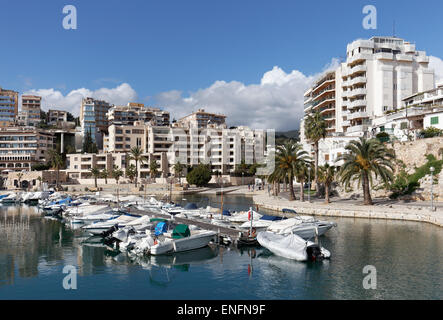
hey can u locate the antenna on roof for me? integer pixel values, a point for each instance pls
(393, 29)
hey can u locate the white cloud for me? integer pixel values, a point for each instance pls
(437, 64)
(54, 99)
(275, 103)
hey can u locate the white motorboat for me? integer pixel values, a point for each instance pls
(245, 216)
(99, 228)
(181, 239)
(292, 247)
(304, 226)
(262, 223)
(11, 198)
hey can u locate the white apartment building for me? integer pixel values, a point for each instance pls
(137, 112)
(373, 81)
(22, 147)
(189, 143)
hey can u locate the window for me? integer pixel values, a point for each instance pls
(326, 157)
(403, 125)
(434, 120)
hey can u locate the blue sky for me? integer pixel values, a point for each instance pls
(179, 47)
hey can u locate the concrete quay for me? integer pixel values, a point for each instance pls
(390, 211)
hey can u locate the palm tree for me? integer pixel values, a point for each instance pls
(178, 169)
(116, 174)
(153, 168)
(131, 172)
(301, 174)
(136, 154)
(40, 179)
(105, 175)
(19, 177)
(326, 175)
(56, 161)
(364, 159)
(315, 130)
(96, 173)
(288, 157)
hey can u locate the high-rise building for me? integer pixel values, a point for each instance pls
(8, 107)
(373, 81)
(93, 119)
(31, 108)
(377, 74)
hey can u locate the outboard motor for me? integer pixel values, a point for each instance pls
(314, 253)
(110, 231)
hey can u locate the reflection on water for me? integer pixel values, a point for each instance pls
(33, 251)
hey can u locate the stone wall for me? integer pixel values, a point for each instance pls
(413, 153)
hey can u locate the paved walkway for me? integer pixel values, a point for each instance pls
(382, 209)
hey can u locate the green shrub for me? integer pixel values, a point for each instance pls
(200, 175)
(431, 132)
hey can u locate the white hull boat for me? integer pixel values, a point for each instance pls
(292, 247)
(305, 227)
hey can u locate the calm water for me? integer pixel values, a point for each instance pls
(34, 250)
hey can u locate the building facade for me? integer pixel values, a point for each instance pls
(137, 112)
(31, 109)
(201, 119)
(93, 119)
(22, 147)
(8, 107)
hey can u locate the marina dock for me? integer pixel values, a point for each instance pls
(234, 234)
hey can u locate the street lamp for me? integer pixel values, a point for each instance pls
(432, 169)
(309, 184)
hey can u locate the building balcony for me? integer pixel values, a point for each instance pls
(357, 103)
(358, 115)
(357, 92)
(359, 128)
(358, 68)
(346, 123)
(357, 80)
(359, 57)
(384, 56)
(422, 59)
(403, 57)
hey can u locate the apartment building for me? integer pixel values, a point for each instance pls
(8, 107)
(122, 138)
(93, 119)
(376, 77)
(137, 112)
(420, 111)
(30, 111)
(56, 117)
(78, 166)
(22, 147)
(201, 119)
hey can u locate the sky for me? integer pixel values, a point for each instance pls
(250, 59)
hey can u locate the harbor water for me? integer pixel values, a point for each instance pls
(407, 256)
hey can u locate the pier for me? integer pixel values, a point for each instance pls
(234, 234)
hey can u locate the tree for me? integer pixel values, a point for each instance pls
(153, 168)
(116, 174)
(200, 175)
(178, 169)
(56, 161)
(19, 178)
(365, 158)
(96, 173)
(326, 175)
(136, 154)
(315, 130)
(41, 167)
(288, 157)
(105, 175)
(131, 172)
(89, 145)
(40, 179)
(301, 174)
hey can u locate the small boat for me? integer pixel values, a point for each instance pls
(304, 226)
(181, 239)
(10, 198)
(292, 247)
(99, 228)
(262, 223)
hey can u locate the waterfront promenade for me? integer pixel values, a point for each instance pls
(382, 208)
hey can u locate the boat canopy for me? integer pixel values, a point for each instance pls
(161, 228)
(191, 206)
(289, 211)
(226, 213)
(272, 218)
(157, 220)
(181, 231)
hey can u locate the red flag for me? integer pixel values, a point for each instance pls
(249, 215)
